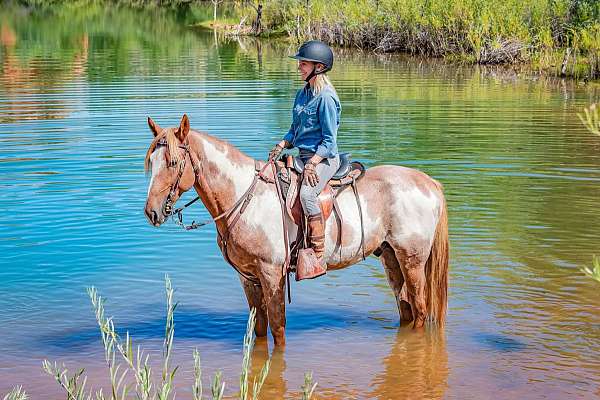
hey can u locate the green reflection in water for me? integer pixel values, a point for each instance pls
(521, 176)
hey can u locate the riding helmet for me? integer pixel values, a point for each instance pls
(316, 51)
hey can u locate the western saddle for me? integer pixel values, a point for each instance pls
(289, 179)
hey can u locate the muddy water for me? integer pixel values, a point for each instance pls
(522, 179)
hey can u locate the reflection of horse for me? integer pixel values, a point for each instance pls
(404, 214)
(414, 367)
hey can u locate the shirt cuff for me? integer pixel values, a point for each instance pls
(289, 137)
(322, 151)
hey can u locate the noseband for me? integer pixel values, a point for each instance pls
(168, 207)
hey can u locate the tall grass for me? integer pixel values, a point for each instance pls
(593, 272)
(131, 375)
(558, 35)
(591, 118)
(16, 394)
(482, 31)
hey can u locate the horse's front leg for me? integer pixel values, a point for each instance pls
(272, 281)
(254, 295)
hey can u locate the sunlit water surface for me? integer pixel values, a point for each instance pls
(522, 178)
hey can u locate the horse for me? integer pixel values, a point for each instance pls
(404, 222)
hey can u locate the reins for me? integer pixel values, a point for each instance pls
(241, 204)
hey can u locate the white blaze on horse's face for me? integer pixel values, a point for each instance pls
(158, 164)
(158, 189)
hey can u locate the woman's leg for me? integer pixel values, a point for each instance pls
(309, 197)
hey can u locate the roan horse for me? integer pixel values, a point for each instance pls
(404, 214)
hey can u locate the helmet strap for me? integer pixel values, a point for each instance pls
(314, 73)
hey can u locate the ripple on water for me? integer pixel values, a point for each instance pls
(520, 176)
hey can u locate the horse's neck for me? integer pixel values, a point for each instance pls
(225, 172)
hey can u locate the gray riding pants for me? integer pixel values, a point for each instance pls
(309, 194)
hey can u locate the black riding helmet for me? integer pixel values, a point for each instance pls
(317, 52)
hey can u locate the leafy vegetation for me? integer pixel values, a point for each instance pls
(482, 31)
(591, 118)
(558, 35)
(133, 377)
(594, 272)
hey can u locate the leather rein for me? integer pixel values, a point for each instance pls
(241, 204)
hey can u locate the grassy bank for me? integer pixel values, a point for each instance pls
(561, 37)
(544, 33)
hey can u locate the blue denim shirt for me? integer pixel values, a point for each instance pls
(315, 122)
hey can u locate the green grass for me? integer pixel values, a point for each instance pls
(131, 375)
(482, 31)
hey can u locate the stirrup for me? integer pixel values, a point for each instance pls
(308, 266)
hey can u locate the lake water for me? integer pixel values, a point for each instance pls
(522, 179)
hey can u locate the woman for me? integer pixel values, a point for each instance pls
(316, 117)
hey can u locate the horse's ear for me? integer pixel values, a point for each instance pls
(156, 130)
(184, 128)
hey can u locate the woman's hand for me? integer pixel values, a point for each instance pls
(310, 174)
(275, 151)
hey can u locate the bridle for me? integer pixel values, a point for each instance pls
(168, 207)
(240, 205)
(177, 214)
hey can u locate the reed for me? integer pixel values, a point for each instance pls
(309, 387)
(593, 272)
(131, 375)
(591, 118)
(16, 394)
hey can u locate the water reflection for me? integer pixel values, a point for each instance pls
(416, 367)
(521, 177)
(405, 365)
(33, 86)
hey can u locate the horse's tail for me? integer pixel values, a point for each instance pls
(436, 269)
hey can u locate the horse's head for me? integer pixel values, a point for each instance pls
(169, 164)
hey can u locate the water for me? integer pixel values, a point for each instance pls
(521, 177)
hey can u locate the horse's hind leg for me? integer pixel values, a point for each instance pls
(254, 295)
(412, 262)
(396, 281)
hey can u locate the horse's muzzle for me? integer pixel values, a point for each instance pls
(153, 217)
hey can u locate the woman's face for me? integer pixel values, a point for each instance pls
(306, 67)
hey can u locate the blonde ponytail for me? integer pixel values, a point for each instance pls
(321, 82)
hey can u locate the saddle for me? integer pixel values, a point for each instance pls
(288, 180)
(289, 174)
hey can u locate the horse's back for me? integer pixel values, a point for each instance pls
(409, 201)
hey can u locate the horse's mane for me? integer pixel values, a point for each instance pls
(172, 147)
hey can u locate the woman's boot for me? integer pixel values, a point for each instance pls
(310, 261)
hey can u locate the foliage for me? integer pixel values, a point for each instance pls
(484, 31)
(594, 272)
(591, 118)
(547, 33)
(135, 362)
(16, 394)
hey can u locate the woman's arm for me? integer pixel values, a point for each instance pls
(329, 125)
